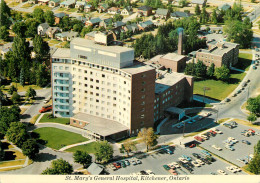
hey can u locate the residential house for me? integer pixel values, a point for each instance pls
(201, 3)
(21, 1)
(105, 22)
(179, 14)
(79, 4)
(116, 32)
(95, 169)
(91, 35)
(88, 8)
(132, 28)
(54, 3)
(42, 28)
(59, 16)
(224, 7)
(82, 19)
(52, 31)
(144, 26)
(33, 1)
(162, 13)
(68, 4)
(119, 24)
(127, 11)
(93, 21)
(144, 11)
(113, 10)
(102, 8)
(43, 2)
(66, 36)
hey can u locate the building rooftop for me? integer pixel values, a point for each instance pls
(101, 126)
(224, 7)
(161, 11)
(145, 8)
(90, 43)
(95, 169)
(138, 68)
(198, 2)
(173, 57)
(220, 49)
(168, 80)
(61, 53)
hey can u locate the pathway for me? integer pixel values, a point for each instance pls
(236, 69)
(74, 145)
(204, 99)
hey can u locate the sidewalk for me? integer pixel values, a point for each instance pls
(74, 145)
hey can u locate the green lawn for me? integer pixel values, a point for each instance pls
(89, 148)
(28, 5)
(218, 89)
(22, 88)
(244, 61)
(57, 138)
(54, 41)
(45, 119)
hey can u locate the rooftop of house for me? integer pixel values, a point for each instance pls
(200, 2)
(44, 25)
(95, 169)
(95, 20)
(173, 57)
(224, 7)
(55, 1)
(61, 53)
(161, 11)
(105, 6)
(145, 8)
(180, 14)
(60, 15)
(68, 2)
(220, 48)
(119, 24)
(167, 80)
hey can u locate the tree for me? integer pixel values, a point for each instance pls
(7, 116)
(182, 3)
(5, 13)
(49, 17)
(128, 146)
(211, 70)
(82, 158)
(59, 167)
(197, 10)
(30, 148)
(31, 25)
(38, 14)
(30, 93)
(17, 133)
(12, 89)
(222, 73)
(4, 34)
(200, 69)
(86, 30)
(253, 105)
(41, 48)
(22, 81)
(65, 23)
(252, 117)
(19, 28)
(15, 97)
(214, 18)
(122, 36)
(254, 164)
(117, 17)
(42, 75)
(103, 151)
(257, 148)
(148, 137)
(77, 27)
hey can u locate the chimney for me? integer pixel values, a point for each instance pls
(180, 42)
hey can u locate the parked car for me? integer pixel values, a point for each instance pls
(246, 142)
(215, 147)
(166, 167)
(150, 172)
(45, 108)
(133, 162)
(229, 147)
(173, 172)
(254, 67)
(195, 163)
(204, 137)
(227, 100)
(176, 164)
(205, 152)
(123, 164)
(199, 138)
(138, 161)
(217, 131)
(229, 168)
(127, 162)
(143, 172)
(200, 162)
(186, 157)
(213, 132)
(196, 155)
(222, 172)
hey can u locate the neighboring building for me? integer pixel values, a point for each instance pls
(145, 11)
(224, 7)
(54, 3)
(179, 14)
(113, 10)
(219, 53)
(43, 2)
(52, 31)
(105, 22)
(66, 36)
(93, 22)
(95, 169)
(68, 4)
(119, 24)
(132, 28)
(162, 13)
(42, 28)
(144, 26)
(127, 11)
(91, 35)
(59, 16)
(79, 4)
(82, 19)
(88, 8)
(102, 89)
(103, 8)
(116, 33)
(201, 3)
(173, 61)
(171, 89)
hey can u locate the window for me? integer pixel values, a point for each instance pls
(143, 75)
(85, 78)
(91, 79)
(97, 100)
(97, 81)
(66, 68)
(143, 83)
(74, 121)
(103, 75)
(142, 90)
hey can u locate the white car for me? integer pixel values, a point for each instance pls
(200, 162)
(176, 164)
(183, 160)
(171, 166)
(236, 168)
(251, 155)
(150, 172)
(215, 147)
(229, 168)
(217, 131)
(222, 172)
(204, 137)
(232, 139)
(195, 163)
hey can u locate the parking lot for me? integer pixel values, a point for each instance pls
(156, 161)
(241, 149)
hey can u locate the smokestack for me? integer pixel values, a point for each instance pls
(180, 42)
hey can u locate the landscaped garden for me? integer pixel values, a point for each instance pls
(89, 148)
(244, 61)
(47, 118)
(56, 138)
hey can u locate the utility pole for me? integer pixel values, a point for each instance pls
(183, 129)
(248, 92)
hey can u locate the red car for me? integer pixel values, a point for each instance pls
(117, 165)
(45, 108)
(213, 132)
(192, 145)
(199, 138)
(253, 131)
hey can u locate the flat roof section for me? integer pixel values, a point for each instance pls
(61, 53)
(91, 44)
(173, 57)
(168, 80)
(135, 69)
(101, 126)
